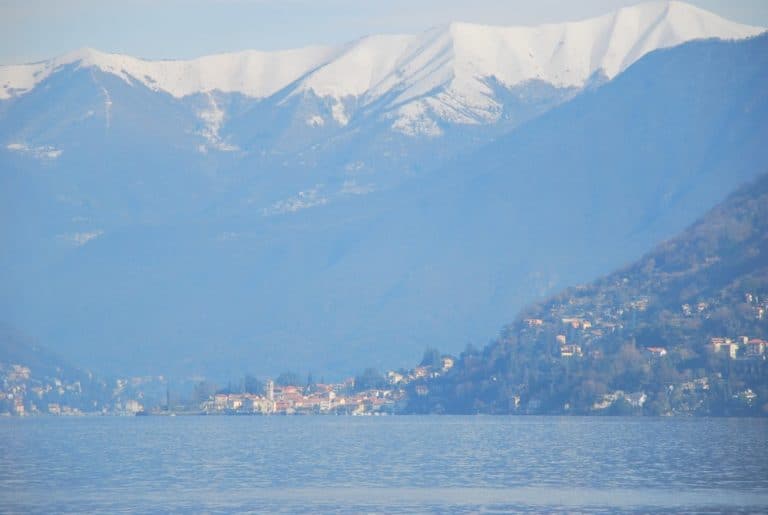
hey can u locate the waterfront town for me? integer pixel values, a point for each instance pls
(21, 394)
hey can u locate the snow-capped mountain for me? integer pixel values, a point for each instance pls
(252, 73)
(443, 74)
(352, 205)
(417, 81)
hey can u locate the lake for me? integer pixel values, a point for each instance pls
(382, 464)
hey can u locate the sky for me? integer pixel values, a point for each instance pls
(34, 30)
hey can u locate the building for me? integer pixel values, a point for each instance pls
(571, 321)
(721, 344)
(656, 352)
(569, 351)
(220, 401)
(636, 400)
(755, 348)
(133, 406)
(270, 387)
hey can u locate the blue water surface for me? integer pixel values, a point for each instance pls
(382, 464)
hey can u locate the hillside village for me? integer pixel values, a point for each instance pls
(584, 356)
(581, 325)
(581, 330)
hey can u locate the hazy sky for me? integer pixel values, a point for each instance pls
(38, 29)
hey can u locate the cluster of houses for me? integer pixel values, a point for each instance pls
(21, 394)
(291, 399)
(325, 399)
(310, 400)
(759, 305)
(295, 400)
(575, 333)
(14, 389)
(566, 349)
(742, 347)
(634, 400)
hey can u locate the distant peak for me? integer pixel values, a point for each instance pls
(85, 54)
(458, 55)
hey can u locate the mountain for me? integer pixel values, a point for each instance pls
(155, 232)
(384, 102)
(682, 330)
(331, 122)
(443, 75)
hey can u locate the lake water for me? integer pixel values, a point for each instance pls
(382, 464)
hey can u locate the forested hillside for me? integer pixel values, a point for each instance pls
(681, 331)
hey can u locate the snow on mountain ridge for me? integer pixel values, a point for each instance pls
(440, 74)
(358, 68)
(564, 55)
(253, 73)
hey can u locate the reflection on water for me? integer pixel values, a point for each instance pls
(384, 464)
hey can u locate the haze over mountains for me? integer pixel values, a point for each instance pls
(332, 207)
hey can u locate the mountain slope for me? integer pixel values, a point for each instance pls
(440, 260)
(256, 130)
(646, 328)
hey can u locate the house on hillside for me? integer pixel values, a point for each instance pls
(755, 348)
(569, 351)
(656, 352)
(720, 344)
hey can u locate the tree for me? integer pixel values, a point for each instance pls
(253, 385)
(203, 391)
(288, 379)
(370, 379)
(431, 358)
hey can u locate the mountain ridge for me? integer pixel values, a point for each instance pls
(440, 75)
